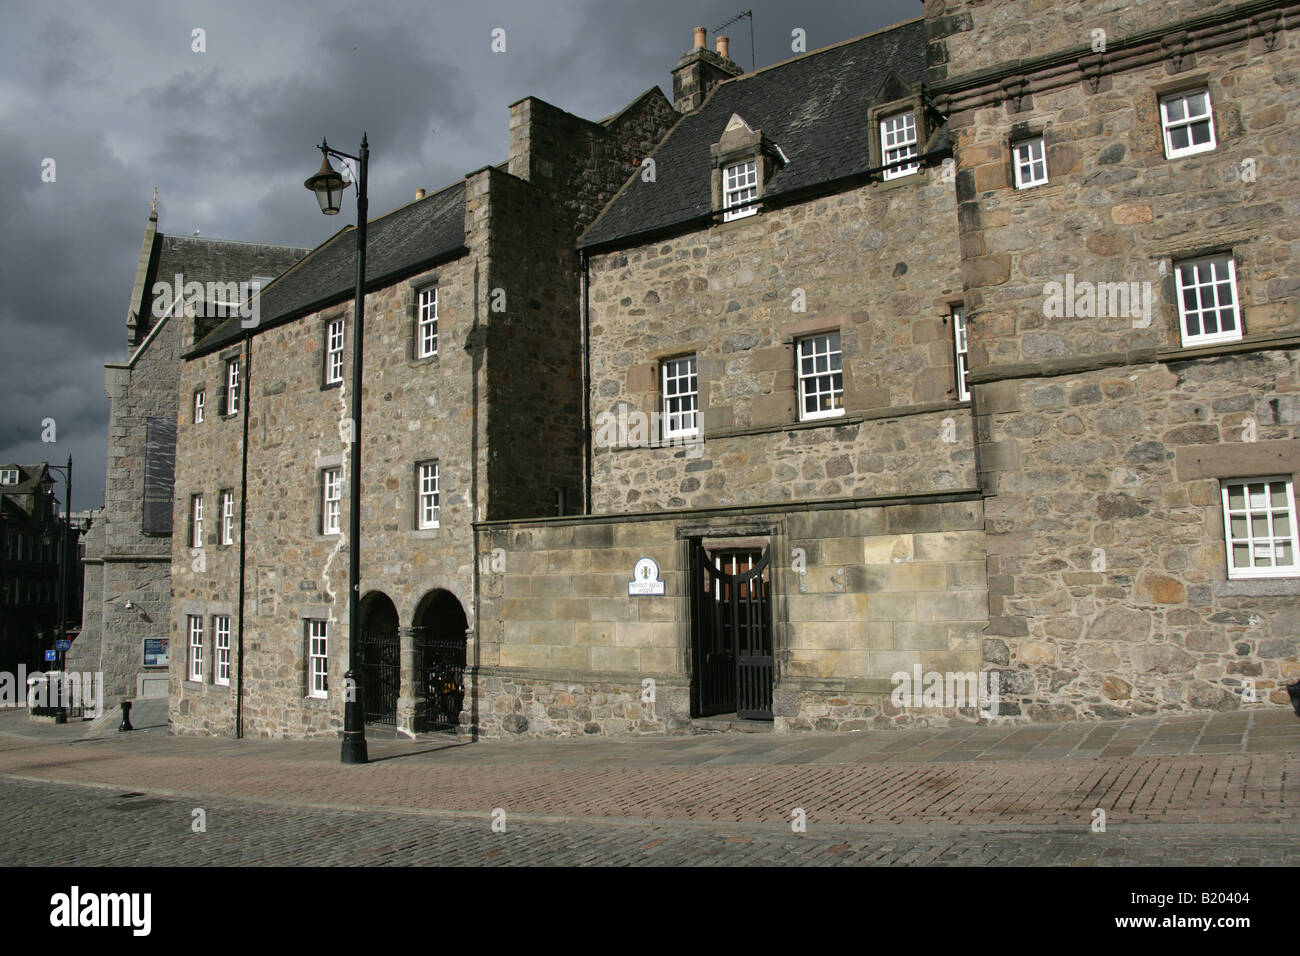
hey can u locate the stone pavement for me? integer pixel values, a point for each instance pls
(1214, 769)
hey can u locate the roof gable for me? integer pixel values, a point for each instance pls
(813, 107)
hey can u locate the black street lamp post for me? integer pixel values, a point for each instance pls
(328, 186)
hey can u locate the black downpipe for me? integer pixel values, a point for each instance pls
(243, 528)
(586, 385)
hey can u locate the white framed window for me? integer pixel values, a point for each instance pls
(1259, 527)
(898, 142)
(1188, 123)
(198, 406)
(681, 398)
(426, 332)
(961, 351)
(196, 521)
(8, 476)
(1208, 309)
(232, 387)
(1030, 161)
(331, 500)
(739, 185)
(318, 658)
(334, 352)
(227, 517)
(427, 506)
(821, 377)
(221, 641)
(195, 642)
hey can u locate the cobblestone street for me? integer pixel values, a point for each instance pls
(966, 796)
(83, 827)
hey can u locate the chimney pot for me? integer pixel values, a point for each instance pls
(723, 46)
(419, 194)
(701, 38)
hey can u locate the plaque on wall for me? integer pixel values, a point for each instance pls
(155, 652)
(645, 579)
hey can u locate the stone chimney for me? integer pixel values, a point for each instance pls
(699, 71)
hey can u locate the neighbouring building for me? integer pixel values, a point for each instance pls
(969, 347)
(127, 601)
(33, 535)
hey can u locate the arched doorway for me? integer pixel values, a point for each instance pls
(439, 630)
(379, 659)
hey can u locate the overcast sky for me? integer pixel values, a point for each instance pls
(115, 94)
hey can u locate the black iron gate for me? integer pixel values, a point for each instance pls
(732, 623)
(380, 659)
(440, 673)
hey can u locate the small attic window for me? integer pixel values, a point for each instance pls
(740, 187)
(8, 476)
(898, 141)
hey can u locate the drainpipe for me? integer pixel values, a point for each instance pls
(586, 386)
(243, 527)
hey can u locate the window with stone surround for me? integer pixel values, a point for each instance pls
(681, 398)
(1208, 309)
(960, 348)
(739, 186)
(1259, 523)
(331, 500)
(426, 330)
(194, 668)
(898, 141)
(198, 406)
(221, 641)
(232, 387)
(821, 377)
(1188, 123)
(196, 521)
(334, 333)
(1029, 159)
(227, 517)
(426, 508)
(318, 660)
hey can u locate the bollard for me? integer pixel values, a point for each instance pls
(126, 717)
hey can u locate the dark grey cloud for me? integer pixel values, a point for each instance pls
(116, 95)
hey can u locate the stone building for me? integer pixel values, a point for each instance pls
(127, 599)
(964, 348)
(472, 411)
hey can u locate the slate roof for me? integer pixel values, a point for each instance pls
(399, 243)
(813, 107)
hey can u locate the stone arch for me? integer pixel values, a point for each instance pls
(379, 658)
(438, 628)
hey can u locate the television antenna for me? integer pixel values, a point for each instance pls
(753, 58)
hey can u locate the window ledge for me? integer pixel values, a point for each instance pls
(1257, 587)
(424, 532)
(420, 362)
(329, 385)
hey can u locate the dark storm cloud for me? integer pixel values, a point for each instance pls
(117, 96)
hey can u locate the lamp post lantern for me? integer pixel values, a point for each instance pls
(328, 186)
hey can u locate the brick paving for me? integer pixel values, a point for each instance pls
(65, 825)
(1163, 771)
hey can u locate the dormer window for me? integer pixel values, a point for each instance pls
(744, 162)
(8, 476)
(898, 142)
(740, 187)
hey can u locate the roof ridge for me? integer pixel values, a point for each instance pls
(824, 49)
